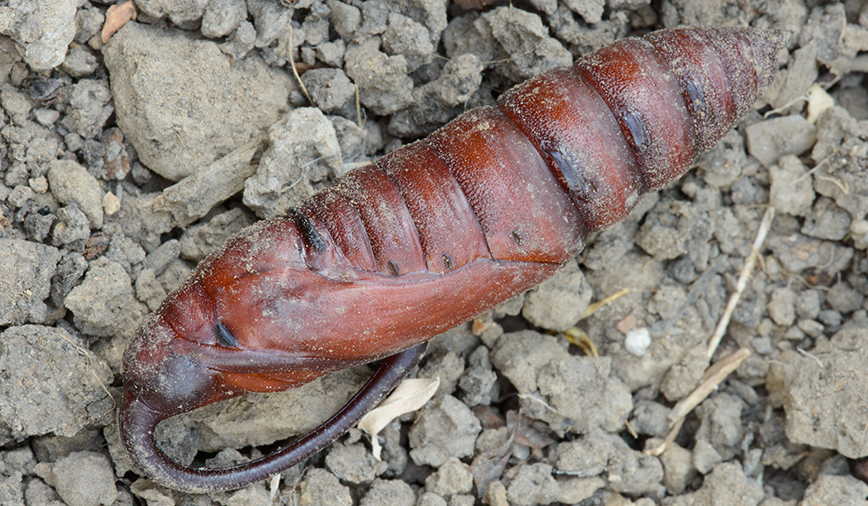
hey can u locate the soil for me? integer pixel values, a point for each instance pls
(125, 163)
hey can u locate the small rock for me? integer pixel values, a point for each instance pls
(627, 471)
(255, 495)
(70, 269)
(408, 38)
(38, 493)
(437, 102)
(353, 463)
(782, 306)
(520, 355)
(825, 220)
(222, 17)
(160, 259)
(241, 42)
(583, 394)
(46, 117)
(844, 299)
(42, 30)
(808, 304)
(89, 107)
(28, 268)
(650, 418)
(637, 341)
(38, 184)
(476, 384)
(330, 89)
(796, 253)
(117, 160)
(125, 251)
(444, 429)
(526, 47)
(559, 302)
(591, 12)
(389, 493)
(384, 86)
(110, 204)
(453, 477)
(346, 18)
(830, 489)
(11, 490)
(673, 228)
(496, 494)
(202, 239)
(80, 62)
(49, 385)
(791, 188)
(72, 227)
(83, 479)
(532, 485)
(683, 377)
(71, 183)
(154, 494)
(271, 19)
(725, 162)
(104, 304)
(304, 149)
(705, 456)
(89, 22)
(431, 499)
(149, 290)
(183, 91)
(321, 487)
(448, 367)
(727, 481)
(721, 423)
(678, 470)
(811, 327)
(840, 139)
(332, 53)
(179, 12)
(821, 393)
(430, 13)
(769, 140)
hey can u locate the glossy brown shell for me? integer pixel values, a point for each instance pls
(433, 234)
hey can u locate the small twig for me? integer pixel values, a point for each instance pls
(843, 31)
(844, 187)
(785, 106)
(805, 353)
(713, 377)
(548, 406)
(743, 278)
(597, 305)
(301, 176)
(580, 338)
(667, 443)
(814, 169)
(295, 71)
(358, 107)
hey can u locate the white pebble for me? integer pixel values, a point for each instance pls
(110, 203)
(638, 341)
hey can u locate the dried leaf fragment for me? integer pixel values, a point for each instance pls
(410, 395)
(818, 102)
(116, 17)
